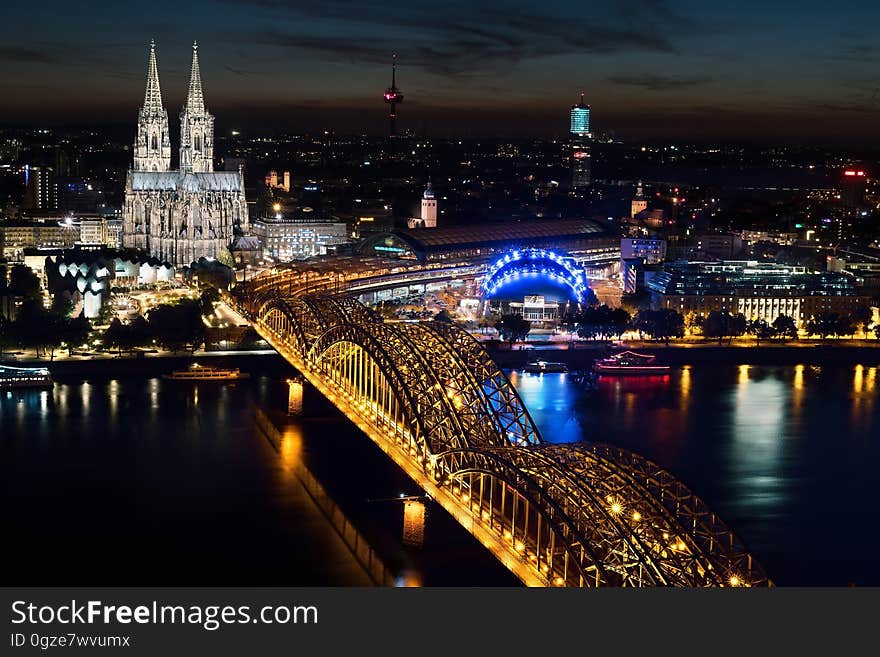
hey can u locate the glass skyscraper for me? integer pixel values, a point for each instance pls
(580, 119)
(580, 145)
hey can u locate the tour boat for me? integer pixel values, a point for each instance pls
(541, 366)
(24, 377)
(629, 362)
(196, 372)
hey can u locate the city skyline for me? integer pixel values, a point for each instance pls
(649, 69)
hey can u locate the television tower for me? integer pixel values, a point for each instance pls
(393, 96)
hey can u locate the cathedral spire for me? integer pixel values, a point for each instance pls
(153, 95)
(152, 146)
(195, 102)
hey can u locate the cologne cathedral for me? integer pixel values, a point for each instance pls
(180, 215)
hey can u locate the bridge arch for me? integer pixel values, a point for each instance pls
(417, 389)
(558, 514)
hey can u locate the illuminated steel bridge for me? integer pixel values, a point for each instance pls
(431, 398)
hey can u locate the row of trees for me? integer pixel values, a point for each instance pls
(605, 322)
(720, 325)
(36, 327)
(175, 326)
(664, 324)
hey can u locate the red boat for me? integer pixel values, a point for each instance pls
(629, 362)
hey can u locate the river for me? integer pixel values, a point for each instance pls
(137, 480)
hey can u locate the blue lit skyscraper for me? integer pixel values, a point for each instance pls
(580, 119)
(580, 145)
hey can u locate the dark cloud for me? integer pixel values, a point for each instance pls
(659, 82)
(866, 53)
(24, 55)
(473, 39)
(236, 71)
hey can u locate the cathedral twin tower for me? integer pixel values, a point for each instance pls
(193, 212)
(152, 149)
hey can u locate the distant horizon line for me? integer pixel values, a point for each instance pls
(601, 137)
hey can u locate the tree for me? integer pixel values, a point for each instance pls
(208, 298)
(513, 328)
(23, 282)
(785, 327)
(845, 325)
(824, 324)
(106, 314)
(225, 258)
(618, 322)
(179, 325)
(760, 329)
(115, 335)
(37, 328)
(737, 325)
(716, 325)
(861, 318)
(693, 322)
(62, 304)
(7, 339)
(75, 332)
(659, 324)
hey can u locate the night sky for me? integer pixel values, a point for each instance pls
(652, 69)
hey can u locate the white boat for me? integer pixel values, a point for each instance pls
(541, 366)
(196, 372)
(24, 377)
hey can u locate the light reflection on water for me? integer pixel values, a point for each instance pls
(785, 455)
(169, 476)
(781, 453)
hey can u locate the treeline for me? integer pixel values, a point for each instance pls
(176, 327)
(43, 329)
(664, 324)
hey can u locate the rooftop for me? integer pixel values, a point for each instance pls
(479, 234)
(218, 181)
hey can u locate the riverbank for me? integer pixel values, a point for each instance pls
(678, 355)
(267, 362)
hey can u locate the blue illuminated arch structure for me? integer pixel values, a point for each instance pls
(520, 264)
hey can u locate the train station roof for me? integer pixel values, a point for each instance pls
(424, 242)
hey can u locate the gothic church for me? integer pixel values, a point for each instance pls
(180, 215)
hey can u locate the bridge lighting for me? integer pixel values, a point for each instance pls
(434, 472)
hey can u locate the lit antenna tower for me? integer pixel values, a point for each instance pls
(393, 96)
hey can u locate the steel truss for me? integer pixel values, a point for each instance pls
(571, 515)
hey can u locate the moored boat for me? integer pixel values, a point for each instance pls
(196, 372)
(543, 366)
(24, 377)
(630, 362)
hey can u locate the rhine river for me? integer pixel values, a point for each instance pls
(138, 480)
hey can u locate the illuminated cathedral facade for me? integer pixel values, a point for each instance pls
(180, 215)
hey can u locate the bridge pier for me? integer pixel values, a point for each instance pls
(295, 396)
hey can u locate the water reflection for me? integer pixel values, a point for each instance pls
(550, 399)
(777, 451)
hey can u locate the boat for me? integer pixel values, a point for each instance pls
(629, 362)
(25, 377)
(542, 366)
(196, 372)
